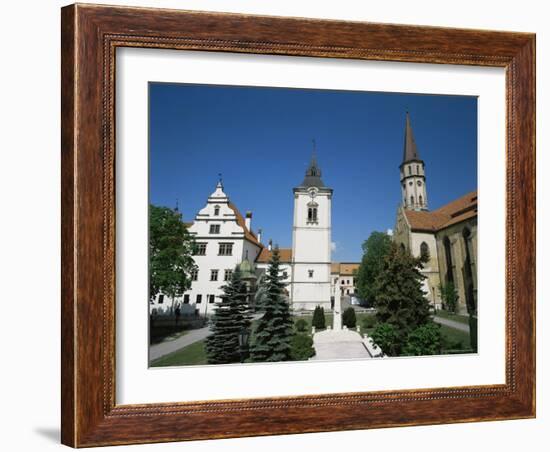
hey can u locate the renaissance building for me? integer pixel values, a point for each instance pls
(225, 238)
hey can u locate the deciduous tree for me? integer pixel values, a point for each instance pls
(170, 253)
(375, 249)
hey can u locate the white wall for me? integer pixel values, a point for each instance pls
(30, 194)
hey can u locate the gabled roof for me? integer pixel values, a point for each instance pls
(460, 209)
(248, 235)
(285, 255)
(410, 152)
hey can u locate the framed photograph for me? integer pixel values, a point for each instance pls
(281, 225)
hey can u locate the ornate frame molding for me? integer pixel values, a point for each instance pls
(90, 37)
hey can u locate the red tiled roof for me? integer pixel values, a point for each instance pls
(248, 235)
(344, 268)
(285, 255)
(456, 211)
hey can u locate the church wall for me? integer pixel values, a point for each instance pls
(401, 232)
(458, 251)
(431, 268)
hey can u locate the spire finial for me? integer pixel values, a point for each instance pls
(410, 151)
(220, 180)
(177, 209)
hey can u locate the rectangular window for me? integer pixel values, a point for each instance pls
(226, 249)
(227, 275)
(211, 299)
(200, 249)
(161, 298)
(194, 274)
(310, 273)
(213, 275)
(186, 298)
(214, 229)
(199, 298)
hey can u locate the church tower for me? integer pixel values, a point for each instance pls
(413, 177)
(311, 241)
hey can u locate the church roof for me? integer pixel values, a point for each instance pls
(285, 255)
(410, 151)
(344, 268)
(460, 209)
(313, 174)
(248, 235)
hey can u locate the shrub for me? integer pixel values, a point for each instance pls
(348, 318)
(424, 340)
(318, 320)
(449, 296)
(301, 347)
(369, 322)
(386, 337)
(300, 325)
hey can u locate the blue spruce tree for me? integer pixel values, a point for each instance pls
(231, 318)
(273, 335)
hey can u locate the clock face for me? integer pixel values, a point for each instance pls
(312, 192)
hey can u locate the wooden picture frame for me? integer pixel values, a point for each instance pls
(90, 36)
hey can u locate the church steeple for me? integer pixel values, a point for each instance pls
(413, 177)
(313, 172)
(410, 152)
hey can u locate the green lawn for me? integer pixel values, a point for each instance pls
(308, 317)
(455, 317)
(455, 340)
(193, 354)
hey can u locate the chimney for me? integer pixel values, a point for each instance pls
(270, 245)
(248, 219)
(259, 235)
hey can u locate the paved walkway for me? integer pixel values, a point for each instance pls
(169, 346)
(343, 344)
(452, 324)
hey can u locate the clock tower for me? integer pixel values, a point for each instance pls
(311, 241)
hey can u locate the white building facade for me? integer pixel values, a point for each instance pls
(311, 242)
(225, 239)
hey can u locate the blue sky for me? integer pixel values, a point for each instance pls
(260, 139)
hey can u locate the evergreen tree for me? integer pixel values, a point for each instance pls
(349, 318)
(400, 300)
(230, 319)
(273, 334)
(318, 320)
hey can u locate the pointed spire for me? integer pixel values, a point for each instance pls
(410, 151)
(220, 181)
(313, 172)
(177, 209)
